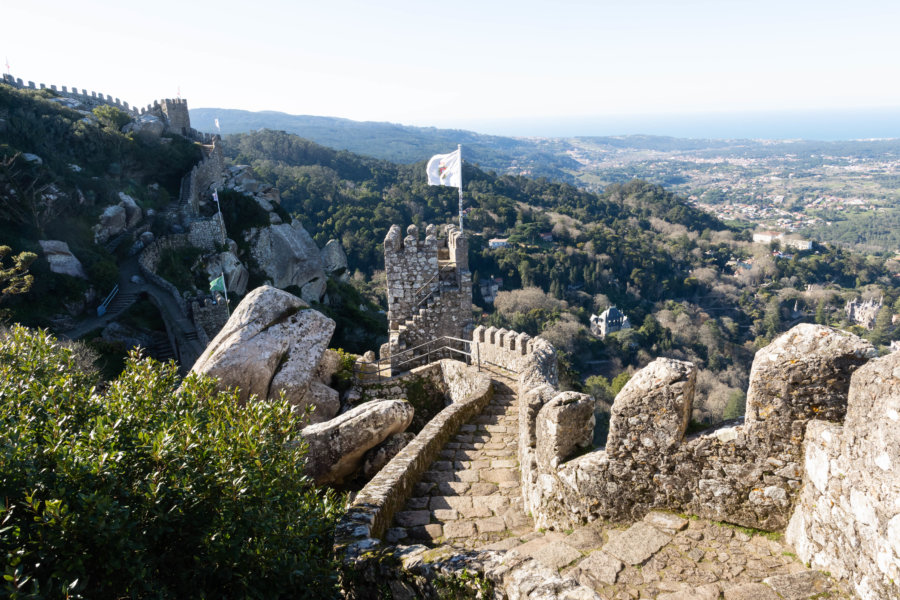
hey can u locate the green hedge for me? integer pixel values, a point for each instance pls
(148, 490)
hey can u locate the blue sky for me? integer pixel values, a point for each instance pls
(457, 63)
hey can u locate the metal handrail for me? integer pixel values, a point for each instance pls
(405, 357)
(101, 310)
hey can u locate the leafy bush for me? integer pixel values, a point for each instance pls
(177, 266)
(148, 490)
(241, 212)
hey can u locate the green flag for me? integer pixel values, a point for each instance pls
(217, 284)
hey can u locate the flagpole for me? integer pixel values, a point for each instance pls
(225, 290)
(459, 149)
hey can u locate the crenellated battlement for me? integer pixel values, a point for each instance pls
(91, 98)
(429, 286)
(173, 112)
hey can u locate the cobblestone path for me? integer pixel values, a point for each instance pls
(470, 495)
(470, 499)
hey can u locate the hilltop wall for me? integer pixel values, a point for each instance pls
(847, 520)
(91, 99)
(750, 472)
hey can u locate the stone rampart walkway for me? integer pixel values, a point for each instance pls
(470, 496)
(469, 499)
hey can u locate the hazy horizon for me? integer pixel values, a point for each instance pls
(818, 125)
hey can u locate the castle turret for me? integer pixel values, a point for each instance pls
(429, 287)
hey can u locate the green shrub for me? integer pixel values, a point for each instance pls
(148, 490)
(177, 266)
(241, 212)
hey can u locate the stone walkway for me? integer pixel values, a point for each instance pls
(470, 495)
(470, 499)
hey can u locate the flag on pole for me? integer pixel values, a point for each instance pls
(217, 284)
(445, 169)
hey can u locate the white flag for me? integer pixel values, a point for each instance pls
(445, 169)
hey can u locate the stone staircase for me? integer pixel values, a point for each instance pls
(160, 348)
(120, 304)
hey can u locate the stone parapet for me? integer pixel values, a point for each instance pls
(743, 473)
(847, 520)
(91, 99)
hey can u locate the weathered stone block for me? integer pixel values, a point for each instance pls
(564, 424)
(650, 414)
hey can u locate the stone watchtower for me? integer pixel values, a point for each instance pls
(174, 113)
(429, 287)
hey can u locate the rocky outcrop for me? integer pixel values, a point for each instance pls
(236, 274)
(146, 126)
(133, 212)
(334, 260)
(272, 344)
(61, 259)
(116, 218)
(847, 521)
(336, 447)
(112, 223)
(288, 256)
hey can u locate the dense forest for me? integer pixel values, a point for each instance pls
(692, 287)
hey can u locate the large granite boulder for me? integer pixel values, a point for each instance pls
(334, 260)
(236, 274)
(146, 126)
(288, 256)
(272, 344)
(337, 447)
(112, 222)
(651, 413)
(61, 259)
(133, 212)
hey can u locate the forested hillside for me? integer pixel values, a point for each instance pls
(398, 143)
(693, 288)
(59, 170)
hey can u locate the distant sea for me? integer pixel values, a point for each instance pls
(844, 124)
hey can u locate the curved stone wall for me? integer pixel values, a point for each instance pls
(374, 506)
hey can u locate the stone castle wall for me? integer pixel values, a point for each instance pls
(209, 317)
(206, 176)
(410, 263)
(847, 520)
(173, 112)
(429, 287)
(91, 99)
(748, 472)
(148, 261)
(207, 234)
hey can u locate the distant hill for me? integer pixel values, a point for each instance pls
(401, 143)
